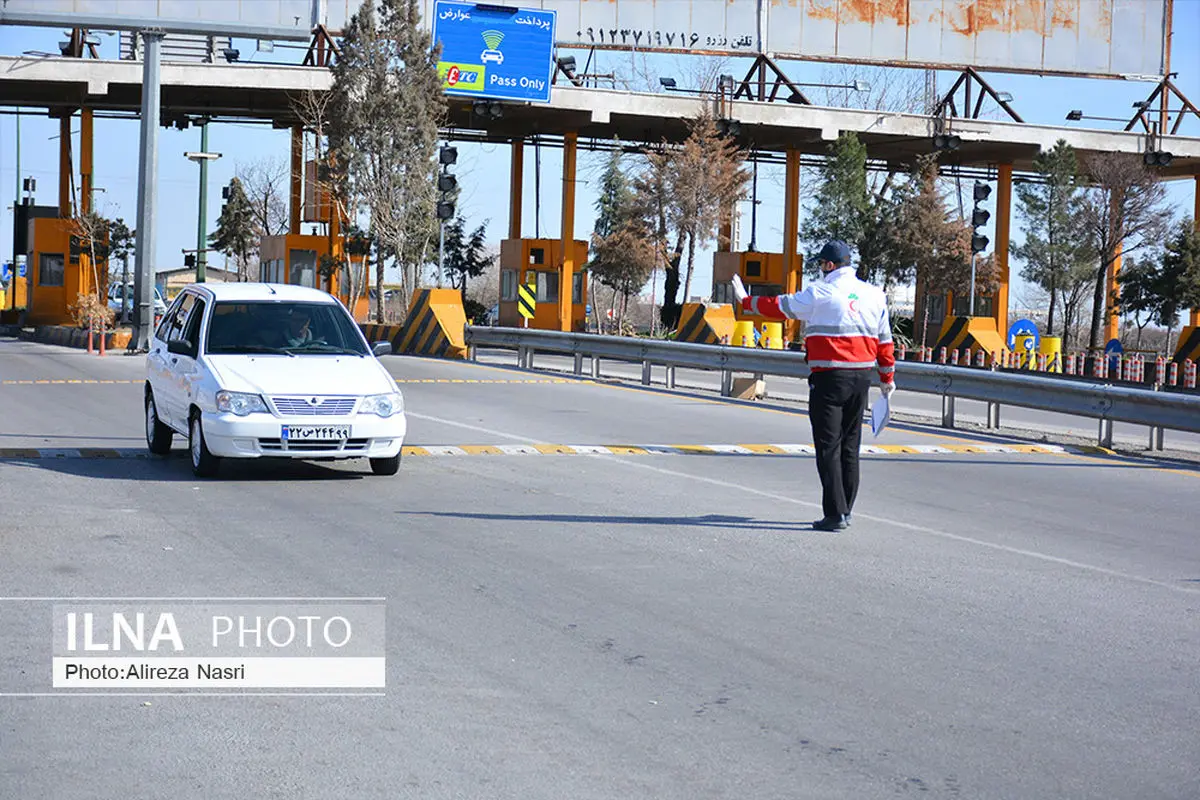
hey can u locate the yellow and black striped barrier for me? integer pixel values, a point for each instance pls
(527, 300)
(1188, 348)
(971, 333)
(703, 324)
(436, 326)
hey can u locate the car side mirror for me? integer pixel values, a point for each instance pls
(382, 349)
(180, 347)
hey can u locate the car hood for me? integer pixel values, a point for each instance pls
(302, 374)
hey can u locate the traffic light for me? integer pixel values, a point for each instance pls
(979, 218)
(946, 142)
(447, 184)
(189, 260)
(1156, 158)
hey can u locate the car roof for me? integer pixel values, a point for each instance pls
(262, 291)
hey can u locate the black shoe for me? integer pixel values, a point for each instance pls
(830, 524)
(846, 519)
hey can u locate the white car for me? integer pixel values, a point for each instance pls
(115, 299)
(252, 370)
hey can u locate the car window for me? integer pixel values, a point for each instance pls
(182, 316)
(168, 320)
(282, 327)
(191, 332)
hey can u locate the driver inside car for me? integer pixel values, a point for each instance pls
(297, 332)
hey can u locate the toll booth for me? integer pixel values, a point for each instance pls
(523, 261)
(59, 270)
(295, 259)
(762, 274)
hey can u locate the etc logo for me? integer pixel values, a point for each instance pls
(464, 77)
(492, 54)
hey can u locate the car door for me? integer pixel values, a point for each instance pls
(157, 363)
(186, 369)
(169, 392)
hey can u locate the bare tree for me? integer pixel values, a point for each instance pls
(881, 88)
(1121, 213)
(266, 185)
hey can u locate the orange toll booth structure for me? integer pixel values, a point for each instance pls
(539, 262)
(58, 256)
(762, 274)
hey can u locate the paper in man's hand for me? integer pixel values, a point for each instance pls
(881, 414)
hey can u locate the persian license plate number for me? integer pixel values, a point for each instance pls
(314, 433)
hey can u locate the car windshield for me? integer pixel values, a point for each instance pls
(283, 328)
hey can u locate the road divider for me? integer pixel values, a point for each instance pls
(739, 450)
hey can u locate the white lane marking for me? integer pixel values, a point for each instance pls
(726, 484)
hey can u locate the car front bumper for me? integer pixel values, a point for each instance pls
(260, 436)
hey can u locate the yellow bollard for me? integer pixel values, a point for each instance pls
(743, 334)
(772, 335)
(1051, 348)
(1026, 352)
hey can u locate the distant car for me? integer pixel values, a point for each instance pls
(114, 300)
(254, 370)
(492, 55)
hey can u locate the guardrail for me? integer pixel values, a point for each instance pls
(1103, 402)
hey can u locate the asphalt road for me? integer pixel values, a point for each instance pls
(910, 405)
(994, 625)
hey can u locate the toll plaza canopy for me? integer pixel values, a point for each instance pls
(271, 92)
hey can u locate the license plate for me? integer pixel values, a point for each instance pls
(314, 433)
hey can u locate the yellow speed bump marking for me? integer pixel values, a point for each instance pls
(65, 381)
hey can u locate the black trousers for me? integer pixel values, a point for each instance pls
(837, 400)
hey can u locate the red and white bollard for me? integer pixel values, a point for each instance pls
(1082, 363)
(1139, 375)
(1173, 374)
(1071, 364)
(1041, 362)
(927, 355)
(1160, 370)
(1189, 374)
(1126, 369)
(942, 356)
(1101, 366)
(900, 356)
(954, 357)
(979, 359)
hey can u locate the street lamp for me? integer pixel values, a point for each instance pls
(202, 158)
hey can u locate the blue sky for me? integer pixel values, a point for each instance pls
(483, 169)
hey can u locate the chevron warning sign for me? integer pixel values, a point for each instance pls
(526, 299)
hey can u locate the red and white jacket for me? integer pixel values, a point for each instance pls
(846, 322)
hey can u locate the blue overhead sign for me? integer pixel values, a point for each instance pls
(495, 52)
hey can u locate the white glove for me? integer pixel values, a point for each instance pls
(739, 291)
(887, 388)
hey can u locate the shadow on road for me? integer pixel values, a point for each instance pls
(176, 468)
(721, 521)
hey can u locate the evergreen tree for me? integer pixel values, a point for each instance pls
(843, 206)
(1056, 249)
(236, 233)
(615, 202)
(466, 256)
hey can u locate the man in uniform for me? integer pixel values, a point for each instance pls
(847, 335)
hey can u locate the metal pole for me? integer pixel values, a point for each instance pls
(202, 228)
(147, 190)
(11, 300)
(441, 251)
(971, 313)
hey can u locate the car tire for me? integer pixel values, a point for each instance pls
(386, 466)
(158, 435)
(204, 463)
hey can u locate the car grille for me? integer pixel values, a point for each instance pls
(351, 446)
(304, 406)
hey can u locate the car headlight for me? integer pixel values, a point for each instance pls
(240, 403)
(384, 405)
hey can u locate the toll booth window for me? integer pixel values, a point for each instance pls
(304, 268)
(764, 289)
(508, 285)
(983, 306)
(722, 292)
(547, 287)
(577, 287)
(50, 269)
(753, 269)
(935, 306)
(537, 255)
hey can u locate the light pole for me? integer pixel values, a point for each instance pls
(202, 158)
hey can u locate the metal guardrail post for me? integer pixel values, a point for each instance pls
(595, 367)
(726, 383)
(947, 411)
(670, 376)
(578, 364)
(1106, 433)
(993, 420)
(645, 373)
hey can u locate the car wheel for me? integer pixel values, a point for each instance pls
(204, 463)
(386, 466)
(158, 435)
